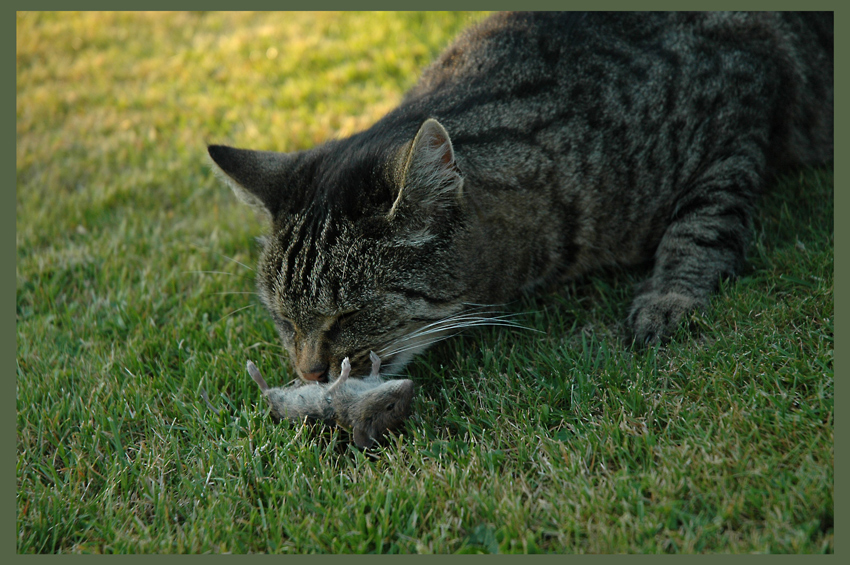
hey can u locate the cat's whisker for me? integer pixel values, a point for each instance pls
(237, 292)
(418, 335)
(212, 273)
(423, 345)
(239, 263)
(455, 323)
(245, 276)
(235, 311)
(452, 327)
(345, 261)
(478, 312)
(464, 317)
(455, 329)
(222, 255)
(392, 375)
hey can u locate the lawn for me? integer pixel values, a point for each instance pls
(134, 292)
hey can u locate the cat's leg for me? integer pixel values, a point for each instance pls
(704, 242)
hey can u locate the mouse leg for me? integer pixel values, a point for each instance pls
(343, 375)
(376, 364)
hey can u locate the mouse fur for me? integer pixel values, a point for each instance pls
(369, 406)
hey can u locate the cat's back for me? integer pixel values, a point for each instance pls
(567, 78)
(516, 46)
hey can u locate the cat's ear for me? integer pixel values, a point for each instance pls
(430, 178)
(258, 178)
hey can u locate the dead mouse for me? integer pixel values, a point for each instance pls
(368, 406)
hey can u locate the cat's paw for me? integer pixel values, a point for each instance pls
(655, 316)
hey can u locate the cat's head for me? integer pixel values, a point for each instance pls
(359, 254)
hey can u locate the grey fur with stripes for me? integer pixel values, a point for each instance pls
(539, 147)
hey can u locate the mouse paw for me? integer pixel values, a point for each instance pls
(376, 363)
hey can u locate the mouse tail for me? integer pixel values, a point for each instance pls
(206, 398)
(258, 378)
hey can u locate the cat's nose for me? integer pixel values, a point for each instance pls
(317, 373)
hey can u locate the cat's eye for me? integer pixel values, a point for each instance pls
(284, 324)
(342, 320)
(390, 406)
(345, 318)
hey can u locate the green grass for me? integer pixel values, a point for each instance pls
(561, 441)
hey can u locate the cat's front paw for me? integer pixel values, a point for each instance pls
(655, 316)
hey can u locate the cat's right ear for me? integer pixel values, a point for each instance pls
(257, 178)
(430, 179)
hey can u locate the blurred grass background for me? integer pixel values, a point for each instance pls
(131, 258)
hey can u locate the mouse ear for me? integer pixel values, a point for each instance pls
(363, 436)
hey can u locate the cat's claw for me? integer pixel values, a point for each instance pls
(655, 317)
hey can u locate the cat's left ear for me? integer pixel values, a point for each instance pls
(258, 178)
(430, 179)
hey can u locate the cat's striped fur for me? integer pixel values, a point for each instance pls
(536, 148)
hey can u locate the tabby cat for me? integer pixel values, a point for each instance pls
(536, 148)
